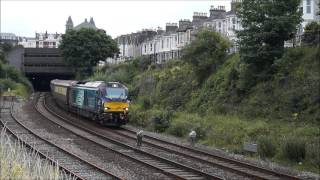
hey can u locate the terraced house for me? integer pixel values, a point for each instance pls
(163, 45)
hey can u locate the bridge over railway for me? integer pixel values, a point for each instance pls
(40, 65)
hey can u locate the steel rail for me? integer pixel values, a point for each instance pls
(224, 159)
(204, 174)
(67, 152)
(30, 147)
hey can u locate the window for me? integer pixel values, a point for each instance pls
(145, 48)
(308, 6)
(150, 46)
(91, 97)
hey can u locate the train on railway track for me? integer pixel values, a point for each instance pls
(104, 102)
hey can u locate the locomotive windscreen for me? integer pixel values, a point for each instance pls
(119, 93)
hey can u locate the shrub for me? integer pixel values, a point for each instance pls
(294, 149)
(145, 102)
(161, 120)
(206, 53)
(266, 147)
(311, 34)
(137, 117)
(178, 128)
(182, 124)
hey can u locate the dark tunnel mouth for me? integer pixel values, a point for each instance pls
(41, 81)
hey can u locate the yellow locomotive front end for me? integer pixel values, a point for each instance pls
(116, 104)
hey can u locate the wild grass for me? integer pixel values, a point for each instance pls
(18, 162)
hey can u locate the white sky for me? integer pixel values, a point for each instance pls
(24, 18)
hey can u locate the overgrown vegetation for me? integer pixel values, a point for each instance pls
(17, 162)
(170, 99)
(279, 112)
(11, 78)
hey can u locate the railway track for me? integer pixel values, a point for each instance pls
(71, 164)
(171, 168)
(197, 155)
(229, 164)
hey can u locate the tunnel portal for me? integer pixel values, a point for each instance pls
(40, 65)
(41, 82)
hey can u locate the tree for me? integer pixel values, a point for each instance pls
(311, 35)
(206, 53)
(83, 49)
(266, 25)
(4, 49)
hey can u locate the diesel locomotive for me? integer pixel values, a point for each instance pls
(105, 102)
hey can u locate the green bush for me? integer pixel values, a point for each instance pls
(266, 147)
(179, 128)
(137, 117)
(294, 149)
(161, 120)
(311, 34)
(183, 123)
(206, 53)
(146, 104)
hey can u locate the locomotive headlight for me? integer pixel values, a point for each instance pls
(127, 109)
(106, 108)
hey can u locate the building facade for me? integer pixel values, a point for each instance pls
(41, 40)
(9, 38)
(165, 45)
(51, 40)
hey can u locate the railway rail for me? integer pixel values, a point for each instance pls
(198, 155)
(229, 164)
(71, 164)
(171, 168)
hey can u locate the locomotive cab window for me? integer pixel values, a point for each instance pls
(116, 93)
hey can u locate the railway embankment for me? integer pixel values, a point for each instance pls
(280, 114)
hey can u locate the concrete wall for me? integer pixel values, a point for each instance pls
(15, 57)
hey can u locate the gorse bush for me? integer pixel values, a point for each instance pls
(294, 149)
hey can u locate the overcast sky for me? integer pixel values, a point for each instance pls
(24, 18)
